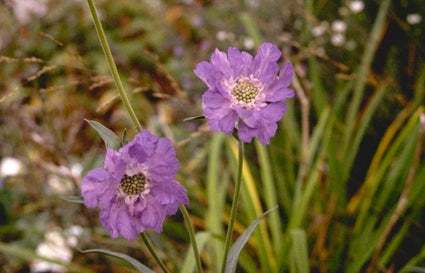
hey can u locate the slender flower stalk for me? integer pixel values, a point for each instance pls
(234, 208)
(191, 231)
(151, 249)
(112, 66)
(138, 126)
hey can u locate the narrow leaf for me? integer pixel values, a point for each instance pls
(194, 118)
(110, 138)
(189, 261)
(141, 267)
(73, 199)
(236, 249)
(416, 269)
(124, 137)
(299, 250)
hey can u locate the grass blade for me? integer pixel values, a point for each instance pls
(233, 257)
(270, 194)
(299, 251)
(377, 32)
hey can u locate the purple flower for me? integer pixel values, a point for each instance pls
(135, 189)
(245, 92)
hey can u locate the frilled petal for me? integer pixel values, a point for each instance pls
(213, 99)
(286, 73)
(248, 116)
(147, 141)
(246, 133)
(118, 221)
(170, 195)
(98, 188)
(153, 216)
(263, 132)
(223, 123)
(240, 62)
(221, 63)
(134, 152)
(208, 73)
(227, 123)
(267, 131)
(163, 164)
(114, 163)
(220, 116)
(273, 112)
(277, 89)
(276, 92)
(265, 62)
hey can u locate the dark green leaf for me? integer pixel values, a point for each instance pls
(110, 138)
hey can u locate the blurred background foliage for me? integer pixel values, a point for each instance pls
(336, 188)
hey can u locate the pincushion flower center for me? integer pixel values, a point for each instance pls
(133, 185)
(245, 91)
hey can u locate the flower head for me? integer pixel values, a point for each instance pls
(136, 189)
(245, 92)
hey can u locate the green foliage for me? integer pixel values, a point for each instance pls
(110, 138)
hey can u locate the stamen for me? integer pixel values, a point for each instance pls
(133, 185)
(245, 91)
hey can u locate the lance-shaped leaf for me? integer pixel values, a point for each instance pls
(415, 269)
(73, 199)
(141, 267)
(189, 261)
(110, 138)
(194, 118)
(236, 249)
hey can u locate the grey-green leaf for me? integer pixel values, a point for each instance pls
(73, 199)
(141, 267)
(110, 138)
(232, 259)
(416, 269)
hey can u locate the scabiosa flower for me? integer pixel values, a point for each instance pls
(135, 189)
(245, 92)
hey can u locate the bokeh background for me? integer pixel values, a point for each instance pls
(53, 75)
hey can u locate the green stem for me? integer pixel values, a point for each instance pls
(191, 231)
(151, 249)
(112, 66)
(234, 208)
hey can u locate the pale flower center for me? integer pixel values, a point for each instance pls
(245, 91)
(133, 185)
